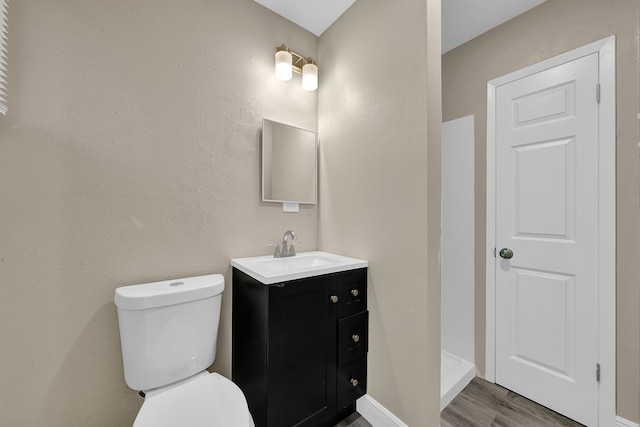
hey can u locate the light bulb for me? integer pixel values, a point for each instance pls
(283, 65)
(310, 76)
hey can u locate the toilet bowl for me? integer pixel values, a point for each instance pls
(206, 399)
(168, 333)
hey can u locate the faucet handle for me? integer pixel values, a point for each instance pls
(292, 247)
(276, 252)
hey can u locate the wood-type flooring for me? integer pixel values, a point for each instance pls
(354, 420)
(484, 404)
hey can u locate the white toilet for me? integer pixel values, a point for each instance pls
(168, 332)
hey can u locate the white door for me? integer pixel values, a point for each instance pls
(547, 219)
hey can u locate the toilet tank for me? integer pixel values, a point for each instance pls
(169, 329)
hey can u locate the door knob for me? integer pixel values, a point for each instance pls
(506, 253)
(334, 298)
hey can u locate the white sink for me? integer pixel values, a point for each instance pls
(303, 261)
(269, 270)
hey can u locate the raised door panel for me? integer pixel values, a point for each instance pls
(544, 322)
(302, 348)
(554, 189)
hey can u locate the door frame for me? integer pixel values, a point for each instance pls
(606, 334)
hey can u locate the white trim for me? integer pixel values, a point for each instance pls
(376, 414)
(490, 252)
(621, 422)
(4, 23)
(607, 217)
(607, 234)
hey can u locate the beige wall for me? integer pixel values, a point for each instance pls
(130, 154)
(555, 27)
(379, 125)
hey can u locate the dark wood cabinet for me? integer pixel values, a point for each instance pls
(300, 347)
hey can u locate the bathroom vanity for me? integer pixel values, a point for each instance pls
(300, 337)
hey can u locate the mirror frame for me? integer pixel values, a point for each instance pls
(266, 169)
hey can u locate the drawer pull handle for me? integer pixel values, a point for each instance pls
(354, 382)
(334, 298)
(354, 292)
(355, 338)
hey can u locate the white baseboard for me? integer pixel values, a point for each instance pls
(621, 422)
(377, 415)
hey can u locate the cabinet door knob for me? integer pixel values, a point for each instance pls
(334, 298)
(354, 292)
(355, 338)
(354, 382)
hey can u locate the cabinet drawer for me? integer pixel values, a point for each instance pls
(352, 382)
(353, 337)
(352, 292)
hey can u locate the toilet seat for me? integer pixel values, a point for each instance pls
(204, 400)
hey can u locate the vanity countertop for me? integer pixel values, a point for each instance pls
(270, 270)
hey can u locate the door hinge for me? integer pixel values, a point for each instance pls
(598, 93)
(597, 372)
(494, 252)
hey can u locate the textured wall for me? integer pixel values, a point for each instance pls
(555, 27)
(130, 154)
(379, 123)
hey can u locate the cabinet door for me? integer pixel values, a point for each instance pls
(302, 352)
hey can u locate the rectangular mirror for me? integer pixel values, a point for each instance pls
(289, 163)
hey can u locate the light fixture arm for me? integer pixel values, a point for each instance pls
(297, 61)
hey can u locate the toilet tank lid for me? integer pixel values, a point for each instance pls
(168, 292)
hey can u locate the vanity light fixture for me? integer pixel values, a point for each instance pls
(283, 63)
(288, 61)
(310, 75)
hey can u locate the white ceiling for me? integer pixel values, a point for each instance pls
(462, 20)
(313, 15)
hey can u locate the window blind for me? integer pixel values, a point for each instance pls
(4, 10)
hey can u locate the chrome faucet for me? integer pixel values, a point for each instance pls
(288, 249)
(291, 250)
